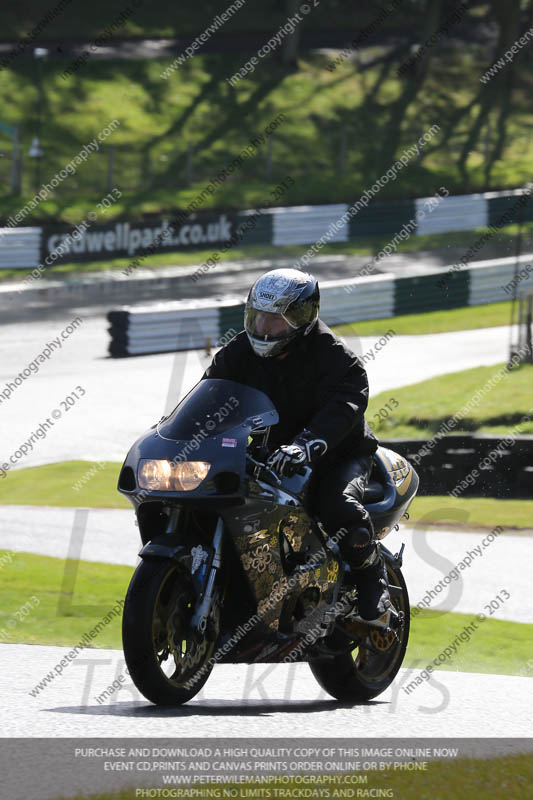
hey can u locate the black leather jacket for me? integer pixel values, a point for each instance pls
(320, 385)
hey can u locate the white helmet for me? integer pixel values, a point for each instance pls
(282, 306)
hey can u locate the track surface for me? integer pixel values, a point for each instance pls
(261, 700)
(111, 537)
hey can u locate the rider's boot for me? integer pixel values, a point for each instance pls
(368, 573)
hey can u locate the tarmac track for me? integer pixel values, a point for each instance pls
(271, 704)
(258, 700)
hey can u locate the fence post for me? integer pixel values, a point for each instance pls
(144, 163)
(20, 170)
(488, 137)
(110, 168)
(268, 166)
(15, 156)
(188, 164)
(342, 151)
(289, 52)
(358, 65)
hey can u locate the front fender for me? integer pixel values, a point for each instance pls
(194, 557)
(171, 547)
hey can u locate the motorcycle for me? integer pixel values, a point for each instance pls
(235, 568)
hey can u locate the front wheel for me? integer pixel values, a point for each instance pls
(365, 672)
(167, 661)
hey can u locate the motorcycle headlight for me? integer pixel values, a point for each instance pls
(160, 475)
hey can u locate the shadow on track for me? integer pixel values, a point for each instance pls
(215, 708)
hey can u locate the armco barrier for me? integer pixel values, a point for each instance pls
(190, 325)
(420, 293)
(273, 226)
(168, 327)
(368, 298)
(501, 203)
(459, 213)
(476, 465)
(383, 219)
(304, 224)
(19, 248)
(487, 283)
(185, 325)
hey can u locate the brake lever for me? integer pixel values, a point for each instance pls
(273, 476)
(263, 468)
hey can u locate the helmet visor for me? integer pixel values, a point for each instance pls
(266, 325)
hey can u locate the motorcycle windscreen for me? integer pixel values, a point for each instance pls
(215, 406)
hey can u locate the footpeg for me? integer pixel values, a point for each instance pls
(379, 622)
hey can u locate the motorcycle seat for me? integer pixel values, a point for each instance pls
(374, 492)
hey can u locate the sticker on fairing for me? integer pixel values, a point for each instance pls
(229, 442)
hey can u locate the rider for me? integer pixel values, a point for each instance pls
(320, 390)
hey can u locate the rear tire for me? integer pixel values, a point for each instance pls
(161, 653)
(366, 672)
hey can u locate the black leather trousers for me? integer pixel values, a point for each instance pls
(337, 490)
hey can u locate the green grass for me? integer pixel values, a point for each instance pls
(471, 512)
(160, 118)
(456, 319)
(52, 485)
(423, 407)
(508, 777)
(70, 603)
(499, 646)
(496, 646)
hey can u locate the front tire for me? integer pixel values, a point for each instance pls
(364, 673)
(167, 663)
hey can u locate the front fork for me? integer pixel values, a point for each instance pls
(172, 546)
(209, 596)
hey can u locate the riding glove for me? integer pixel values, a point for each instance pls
(304, 451)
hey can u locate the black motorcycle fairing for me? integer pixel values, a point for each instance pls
(283, 555)
(206, 434)
(399, 482)
(224, 478)
(215, 406)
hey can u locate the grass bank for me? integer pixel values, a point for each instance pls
(196, 111)
(72, 597)
(423, 407)
(489, 778)
(492, 315)
(80, 484)
(471, 512)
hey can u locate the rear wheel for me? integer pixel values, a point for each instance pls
(167, 661)
(365, 672)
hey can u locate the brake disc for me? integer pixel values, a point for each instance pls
(382, 640)
(186, 659)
